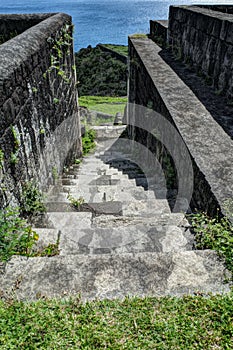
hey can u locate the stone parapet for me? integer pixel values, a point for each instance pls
(153, 84)
(202, 36)
(39, 121)
(158, 32)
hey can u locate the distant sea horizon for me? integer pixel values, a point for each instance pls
(102, 21)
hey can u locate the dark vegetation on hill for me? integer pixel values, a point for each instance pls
(99, 73)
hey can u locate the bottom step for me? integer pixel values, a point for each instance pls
(114, 276)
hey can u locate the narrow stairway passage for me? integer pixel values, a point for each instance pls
(120, 241)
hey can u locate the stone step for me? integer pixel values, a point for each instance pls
(107, 214)
(126, 239)
(69, 175)
(106, 208)
(114, 174)
(59, 197)
(99, 193)
(177, 219)
(114, 276)
(108, 131)
(89, 171)
(109, 193)
(75, 220)
(102, 229)
(84, 174)
(82, 233)
(146, 208)
(99, 180)
(102, 180)
(121, 241)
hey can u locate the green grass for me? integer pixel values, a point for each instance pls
(150, 323)
(109, 105)
(138, 36)
(121, 49)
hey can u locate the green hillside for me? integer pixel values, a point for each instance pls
(99, 73)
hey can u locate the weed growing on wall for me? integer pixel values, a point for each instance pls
(55, 174)
(1, 158)
(14, 158)
(16, 236)
(214, 233)
(88, 141)
(15, 137)
(16, 146)
(32, 200)
(60, 46)
(78, 161)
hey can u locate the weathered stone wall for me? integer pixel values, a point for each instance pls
(159, 32)
(18, 23)
(153, 84)
(203, 37)
(219, 8)
(39, 122)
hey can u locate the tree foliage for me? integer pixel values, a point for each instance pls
(98, 73)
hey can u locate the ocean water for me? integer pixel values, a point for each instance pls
(102, 21)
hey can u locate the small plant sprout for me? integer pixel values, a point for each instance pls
(32, 200)
(75, 202)
(1, 158)
(34, 90)
(42, 131)
(56, 100)
(14, 158)
(16, 138)
(55, 173)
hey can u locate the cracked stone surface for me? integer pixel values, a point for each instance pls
(122, 241)
(114, 276)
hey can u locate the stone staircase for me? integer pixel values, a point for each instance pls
(122, 241)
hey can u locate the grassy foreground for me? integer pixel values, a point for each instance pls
(109, 105)
(150, 323)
